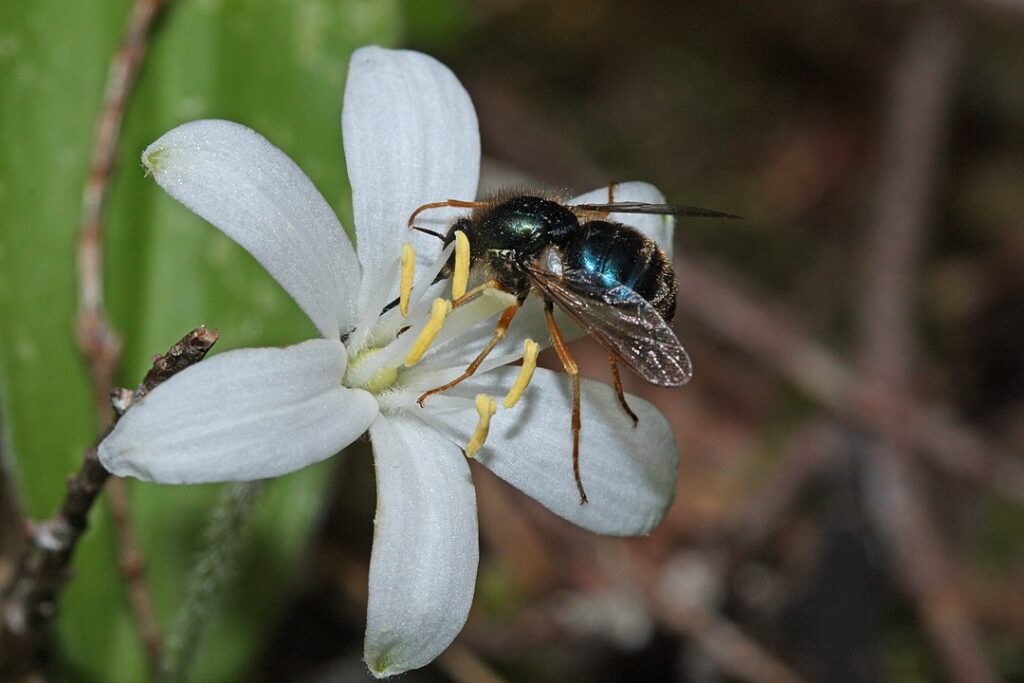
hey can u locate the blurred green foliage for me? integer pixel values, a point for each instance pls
(276, 66)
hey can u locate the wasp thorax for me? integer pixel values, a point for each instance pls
(523, 224)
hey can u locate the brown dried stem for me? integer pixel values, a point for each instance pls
(922, 87)
(29, 602)
(759, 328)
(808, 454)
(97, 339)
(733, 650)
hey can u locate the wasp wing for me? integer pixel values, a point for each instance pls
(620, 320)
(663, 209)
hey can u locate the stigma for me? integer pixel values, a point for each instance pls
(379, 381)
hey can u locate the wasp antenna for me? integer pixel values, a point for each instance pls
(457, 203)
(428, 231)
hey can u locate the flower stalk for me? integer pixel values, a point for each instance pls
(223, 541)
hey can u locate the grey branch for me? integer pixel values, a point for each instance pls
(28, 604)
(922, 87)
(99, 343)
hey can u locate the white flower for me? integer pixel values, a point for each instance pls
(411, 137)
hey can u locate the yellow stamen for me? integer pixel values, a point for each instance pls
(485, 408)
(408, 270)
(530, 351)
(438, 312)
(461, 276)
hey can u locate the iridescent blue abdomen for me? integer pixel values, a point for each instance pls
(617, 254)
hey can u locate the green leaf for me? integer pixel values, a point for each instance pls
(53, 59)
(275, 65)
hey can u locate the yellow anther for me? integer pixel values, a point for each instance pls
(485, 408)
(461, 276)
(438, 312)
(530, 351)
(408, 270)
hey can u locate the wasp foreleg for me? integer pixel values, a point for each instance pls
(499, 334)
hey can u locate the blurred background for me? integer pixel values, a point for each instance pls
(849, 504)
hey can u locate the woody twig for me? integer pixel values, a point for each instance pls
(97, 339)
(29, 603)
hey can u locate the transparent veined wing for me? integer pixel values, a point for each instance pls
(620, 320)
(663, 209)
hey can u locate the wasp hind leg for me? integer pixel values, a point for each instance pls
(499, 334)
(612, 361)
(585, 215)
(571, 369)
(614, 364)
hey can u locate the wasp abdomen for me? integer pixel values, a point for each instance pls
(620, 255)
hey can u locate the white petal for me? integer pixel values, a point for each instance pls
(629, 474)
(242, 415)
(658, 228)
(234, 178)
(425, 547)
(411, 137)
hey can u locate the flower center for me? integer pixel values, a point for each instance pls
(377, 383)
(402, 336)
